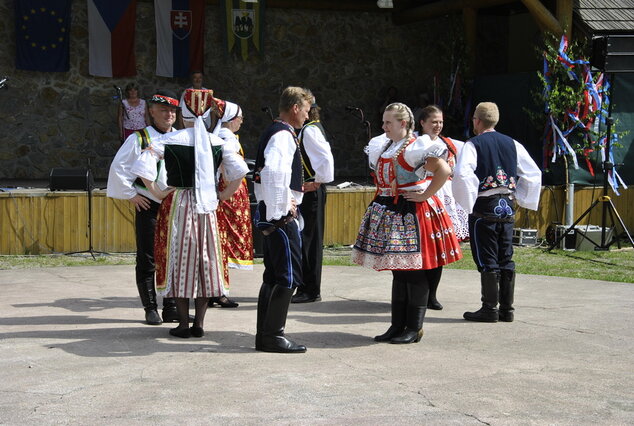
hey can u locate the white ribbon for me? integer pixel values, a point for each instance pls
(204, 176)
(566, 144)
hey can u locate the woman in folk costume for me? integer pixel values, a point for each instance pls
(234, 214)
(187, 248)
(406, 229)
(431, 121)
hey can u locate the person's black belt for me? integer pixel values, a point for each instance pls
(488, 218)
(278, 224)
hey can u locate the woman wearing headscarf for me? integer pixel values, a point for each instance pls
(234, 214)
(405, 229)
(187, 249)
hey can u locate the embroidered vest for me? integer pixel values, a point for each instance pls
(396, 168)
(497, 161)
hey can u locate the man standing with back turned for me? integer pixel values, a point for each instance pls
(278, 188)
(493, 172)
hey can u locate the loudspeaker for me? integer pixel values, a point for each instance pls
(77, 179)
(613, 53)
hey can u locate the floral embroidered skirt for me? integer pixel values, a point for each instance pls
(234, 226)
(405, 236)
(187, 250)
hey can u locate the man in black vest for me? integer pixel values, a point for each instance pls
(493, 173)
(278, 189)
(124, 185)
(319, 168)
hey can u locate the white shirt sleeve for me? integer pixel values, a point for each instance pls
(423, 147)
(233, 165)
(120, 179)
(275, 176)
(145, 164)
(319, 153)
(465, 182)
(529, 180)
(375, 148)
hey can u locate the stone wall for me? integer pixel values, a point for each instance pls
(346, 58)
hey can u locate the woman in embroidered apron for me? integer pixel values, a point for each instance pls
(406, 229)
(431, 121)
(187, 249)
(234, 214)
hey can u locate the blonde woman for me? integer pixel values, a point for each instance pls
(406, 229)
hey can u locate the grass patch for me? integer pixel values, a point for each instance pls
(614, 265)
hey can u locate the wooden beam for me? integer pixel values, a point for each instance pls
(564, 16)
(440, 8)
(351, 5)
(543, 17)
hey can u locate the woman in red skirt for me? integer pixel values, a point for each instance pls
(406, 229)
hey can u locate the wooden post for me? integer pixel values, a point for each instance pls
(543, 17)
(564, 16)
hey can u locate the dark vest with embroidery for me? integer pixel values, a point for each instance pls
(309, 172)
(497, 161)
(296, 167)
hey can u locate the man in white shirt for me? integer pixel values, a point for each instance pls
(122, 184)
(319, 169)
(492, 174)
(278, 187)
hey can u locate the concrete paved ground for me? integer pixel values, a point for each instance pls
(75, 351)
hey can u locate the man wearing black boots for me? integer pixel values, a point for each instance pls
(278, 189)
(493, 172)
(163, 107)
(319, 169)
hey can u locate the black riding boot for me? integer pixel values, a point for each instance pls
(272, 337)
(399, 306)
(263, 305)
(489, 310)
(417, 295)
(148, 299)
(507, 291)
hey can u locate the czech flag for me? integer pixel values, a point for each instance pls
(180, 28)
(111, 38)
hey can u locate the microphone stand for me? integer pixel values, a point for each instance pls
(122, 105)
(358, 112)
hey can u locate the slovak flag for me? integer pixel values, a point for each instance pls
(111, 38)
(179, 36)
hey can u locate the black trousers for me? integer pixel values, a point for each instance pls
(145, 227)
(313, 211)
(283, 256)
(491, 233)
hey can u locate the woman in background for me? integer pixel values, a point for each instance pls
(431, 121)
(234, 214)
(135, 116)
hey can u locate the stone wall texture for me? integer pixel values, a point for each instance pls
(347, 58)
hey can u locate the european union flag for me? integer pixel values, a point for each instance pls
(42, 30)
